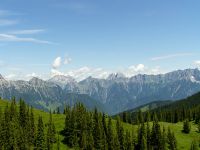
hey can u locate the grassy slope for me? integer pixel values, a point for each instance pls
(184, 140)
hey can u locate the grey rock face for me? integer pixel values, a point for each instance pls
(116, 93)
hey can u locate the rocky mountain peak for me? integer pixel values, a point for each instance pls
(35, 80)
(115, 76)
(183, 74)
(62, 79)
(1, 77)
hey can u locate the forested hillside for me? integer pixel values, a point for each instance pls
(23, 127)
(181, 110)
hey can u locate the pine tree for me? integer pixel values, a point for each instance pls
(83, 141)
(164, 140)
(141, 119)
(116, 143)
(1, 130)
(148, 136)
(90, 142)
(32, 127)
(172, 143)
(40, 137)
(198, 126)
(5, 124)
(128, 142)
(110, 136)
(69, 130)
(120, 133)
(22, 113)
(176, 117)
(51, 132)
(142, 143)
(58, 141)
(186, 126)
(124, 116)
(134, 138)
(156, 136)
(148, 117)
(13, 111)
(104, 142)
(16, 141)
(104, 124)
(194, 145)
(97, 132)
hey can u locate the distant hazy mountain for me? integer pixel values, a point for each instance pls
(115, 94)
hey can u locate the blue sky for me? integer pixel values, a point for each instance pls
(97, 37)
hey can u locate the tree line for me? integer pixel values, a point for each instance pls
(88, 130)
(164, 114)
(19, 131)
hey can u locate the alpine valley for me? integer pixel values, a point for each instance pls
(112, 95)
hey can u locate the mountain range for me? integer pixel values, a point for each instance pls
(114, 94)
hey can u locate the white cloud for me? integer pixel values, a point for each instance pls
(13, 38)
(7, 22)
(82, 73)
(132, 70)
(141, 69)
(156, 70)
(85, 72)
(57, 63)
(197, 62)
(10, 76)
(55, 72)
(171, 56)
(31, 75)
(22, 76)
(138, 68)
(31, 31)
(67, 60)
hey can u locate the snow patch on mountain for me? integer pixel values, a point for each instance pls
(192, 78)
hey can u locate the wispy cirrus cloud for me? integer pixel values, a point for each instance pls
(4, 13)
(14, 38)
(29, 31)
(7, 22)
(16, 35)
(171, 56)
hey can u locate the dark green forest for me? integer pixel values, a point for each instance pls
(178, 111)
(93, 130)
